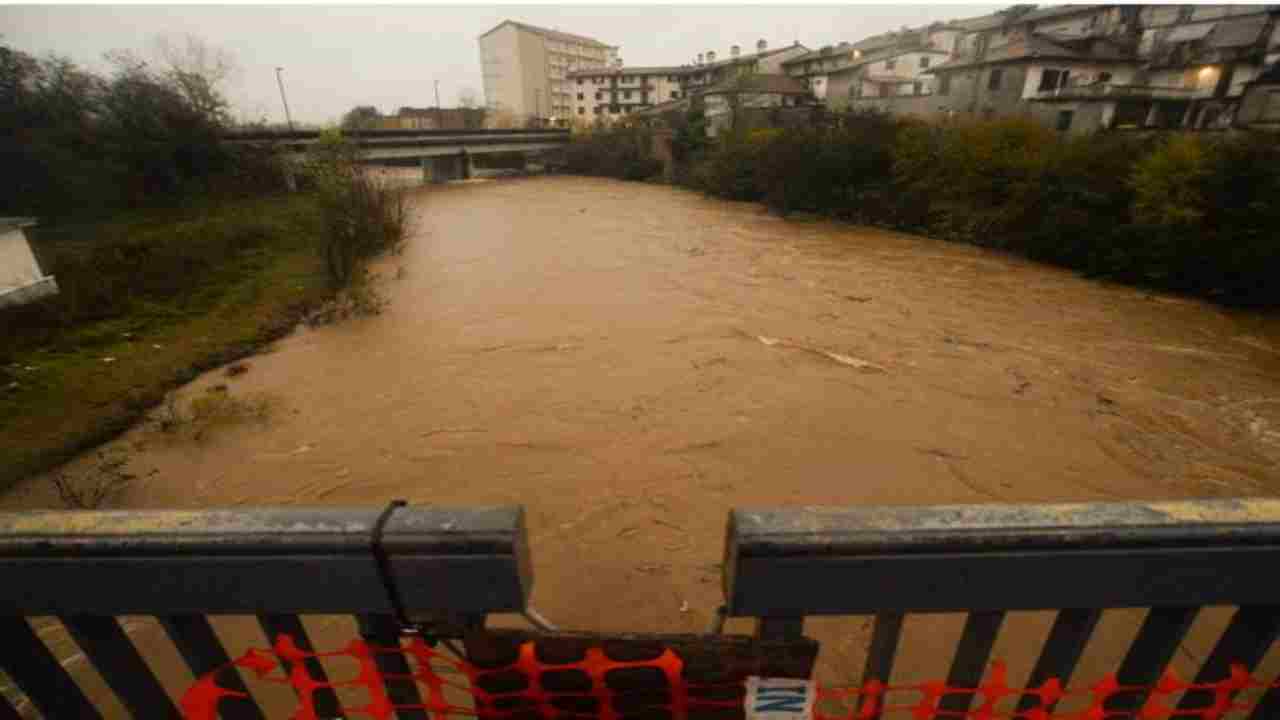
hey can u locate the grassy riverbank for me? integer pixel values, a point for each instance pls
(148, 301)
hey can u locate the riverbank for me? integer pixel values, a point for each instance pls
(1183, 213)
(151, 301)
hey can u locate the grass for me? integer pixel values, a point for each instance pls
(72, 384)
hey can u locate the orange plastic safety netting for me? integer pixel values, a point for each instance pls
(532, 697)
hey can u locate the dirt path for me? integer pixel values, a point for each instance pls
(630, 361)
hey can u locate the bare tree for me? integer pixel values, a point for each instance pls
(199, 70)
(468, 98)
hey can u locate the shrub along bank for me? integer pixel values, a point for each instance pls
(1190, 213)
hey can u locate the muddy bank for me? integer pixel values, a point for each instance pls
(630, 361)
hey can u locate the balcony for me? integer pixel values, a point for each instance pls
(1117, 91)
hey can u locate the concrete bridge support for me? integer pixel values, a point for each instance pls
(444, 168)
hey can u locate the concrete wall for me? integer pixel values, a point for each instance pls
(970, 92)
(1260, 108)
(21, 280)
(18, 264)
(1086, 117)
(500, 66)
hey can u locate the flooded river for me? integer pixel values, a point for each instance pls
(630, 361)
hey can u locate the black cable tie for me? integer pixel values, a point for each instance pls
(384, 568)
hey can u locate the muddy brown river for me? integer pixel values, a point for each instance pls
(630, 361)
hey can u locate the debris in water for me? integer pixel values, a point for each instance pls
(858, 298)
(684, 606)
(940, 453)
(108, 359)
(628, 532)
(235, 369)
(837, 357)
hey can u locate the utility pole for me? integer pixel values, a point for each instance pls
(439, 110)
(283, 99)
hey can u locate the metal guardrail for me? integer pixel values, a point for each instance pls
(451, 565)
(295, 135)
(783, 564)
(455, 566)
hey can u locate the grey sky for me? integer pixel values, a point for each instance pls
(338, 57)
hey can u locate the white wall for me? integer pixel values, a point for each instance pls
(18, 266)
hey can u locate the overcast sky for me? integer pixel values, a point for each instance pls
(338, 57)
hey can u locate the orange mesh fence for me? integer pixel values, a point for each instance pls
(532, 699)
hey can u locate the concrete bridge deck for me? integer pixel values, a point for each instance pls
(445, 154)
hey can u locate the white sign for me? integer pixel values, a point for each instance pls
(779, 698)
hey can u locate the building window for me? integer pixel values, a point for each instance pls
(924, 61)
(944, 84)
(580, 96)
(582, 111)
(613, 109)
(626, 95)
(917, 88)
(1053, 79)
(1064, 119)
(599, 96)
(891, 63)
(675, 94)
(579, 81)
(993, 80)
(597, 110)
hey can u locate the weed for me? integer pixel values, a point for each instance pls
(101, 483)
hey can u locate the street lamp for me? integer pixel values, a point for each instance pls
(283, 99)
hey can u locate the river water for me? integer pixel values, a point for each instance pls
(630, 361)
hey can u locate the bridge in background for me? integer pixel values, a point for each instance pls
(443, 154)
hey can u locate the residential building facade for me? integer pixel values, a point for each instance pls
(606, 95)
(1088, 67)
(527, 71)
(1077, 68)
(884, 67)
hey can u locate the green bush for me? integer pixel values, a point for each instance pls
(361, 216)
(624, 153)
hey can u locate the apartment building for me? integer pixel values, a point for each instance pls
(527, 71)
(607, 95)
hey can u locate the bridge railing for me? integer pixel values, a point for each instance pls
(985, 560)
(299, 135)
(88, 568)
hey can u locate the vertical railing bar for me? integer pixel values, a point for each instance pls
(1247, 638)
(1067, 639)
(384, 631)
(116, 659)
(275, 624)
(972, 653)
(39, 674)
(1158, 639)
(203, 652)
(7, 711)
(779, 628)
(880, 655)
(1268, 707)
